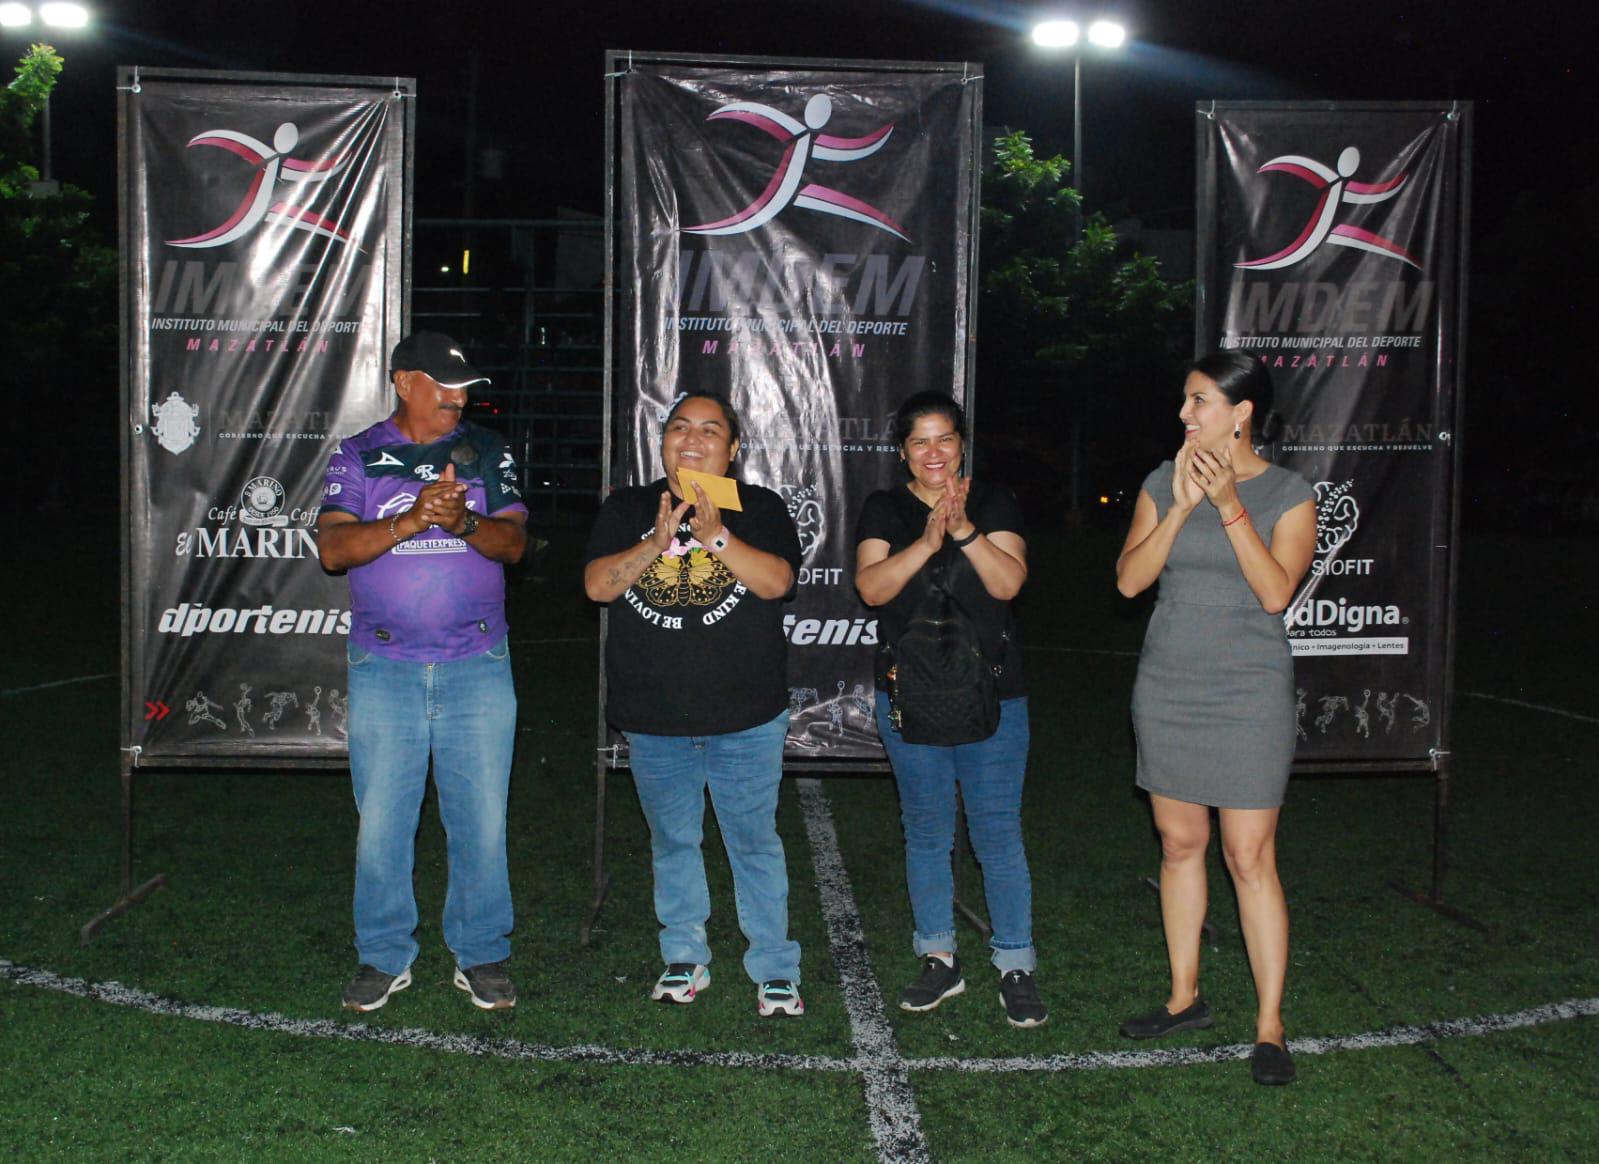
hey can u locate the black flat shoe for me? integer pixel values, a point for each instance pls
(1161, 1021)
(1272, 1065)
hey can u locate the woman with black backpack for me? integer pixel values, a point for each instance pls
(943, 556)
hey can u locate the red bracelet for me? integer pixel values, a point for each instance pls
(1242, 514)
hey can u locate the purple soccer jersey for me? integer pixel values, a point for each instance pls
(432, 598)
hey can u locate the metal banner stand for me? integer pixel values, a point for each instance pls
(604, 762)
(127, 895)
(1433, 896)
(271, 91)
(611, 753)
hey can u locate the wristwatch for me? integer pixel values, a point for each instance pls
(719, 543)
(469, 525)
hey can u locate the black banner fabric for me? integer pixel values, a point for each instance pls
(1332, 246)
(263, 249)
(800, 237)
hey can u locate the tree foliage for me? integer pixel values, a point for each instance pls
(58, 283)
(1073, 326)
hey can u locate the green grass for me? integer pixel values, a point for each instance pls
(257, 917)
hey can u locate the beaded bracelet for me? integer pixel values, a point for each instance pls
(394, 533)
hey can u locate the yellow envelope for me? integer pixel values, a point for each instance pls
(723, 491)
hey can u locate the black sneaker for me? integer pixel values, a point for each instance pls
(937, 983)
(488, 984)
(371, 987)
(1023, 1006)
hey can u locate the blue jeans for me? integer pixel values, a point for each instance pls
(990, 775)
(463, 714)
(743, 771)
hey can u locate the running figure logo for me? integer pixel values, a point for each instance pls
(272, 165)
(804, 142)
(1336, 191)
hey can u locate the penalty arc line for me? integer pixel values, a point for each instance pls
(58, 683)
(116, 994)
(1406, 1036)
(891, 1109)
(1576, 715)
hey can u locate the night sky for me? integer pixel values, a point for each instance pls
(540, 98)
(1528, 67)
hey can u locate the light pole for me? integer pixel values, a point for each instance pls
(1064, 34)
(1058, 34)
(56, 15)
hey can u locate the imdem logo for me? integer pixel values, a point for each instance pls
(1337, 191)
(272, 165)
(804, 142)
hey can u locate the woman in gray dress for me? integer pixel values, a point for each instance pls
(1229, 536)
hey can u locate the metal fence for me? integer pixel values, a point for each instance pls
(527, 298)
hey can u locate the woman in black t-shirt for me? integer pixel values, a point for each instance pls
(694, 679)
(974, 532)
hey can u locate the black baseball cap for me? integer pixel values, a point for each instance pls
(438, 356)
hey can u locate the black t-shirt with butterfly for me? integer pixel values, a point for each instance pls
(690, 650)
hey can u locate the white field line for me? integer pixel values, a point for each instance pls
(354, 1032)
(1408, 1036)
(58, 683)
(116, 994)
(891, 1109)
(1576, 715)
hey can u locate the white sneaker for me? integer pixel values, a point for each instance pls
(779, 996)
(680, 983)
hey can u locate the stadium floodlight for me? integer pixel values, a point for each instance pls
(61, 15)
(56, 14)
(1056, 34)
(1107, 34)
(1064, 34)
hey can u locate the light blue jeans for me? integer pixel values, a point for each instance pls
(463, 714)
(743, 771)
(990, 775)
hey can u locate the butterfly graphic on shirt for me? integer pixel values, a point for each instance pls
(685, 575)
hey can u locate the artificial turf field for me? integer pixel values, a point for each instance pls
(205, 1024)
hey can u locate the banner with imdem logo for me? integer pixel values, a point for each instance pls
(264, 223)
(1332, 247)
(799, 235)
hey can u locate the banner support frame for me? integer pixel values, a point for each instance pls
(1460, 115)
(129, 80)
(610, 755)
(127, 895)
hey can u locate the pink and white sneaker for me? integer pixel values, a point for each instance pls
(681, 982)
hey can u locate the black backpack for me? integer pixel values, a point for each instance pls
(941, 689)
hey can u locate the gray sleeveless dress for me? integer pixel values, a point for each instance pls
(1213, 705)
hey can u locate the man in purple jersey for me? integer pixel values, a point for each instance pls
(423, 511)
